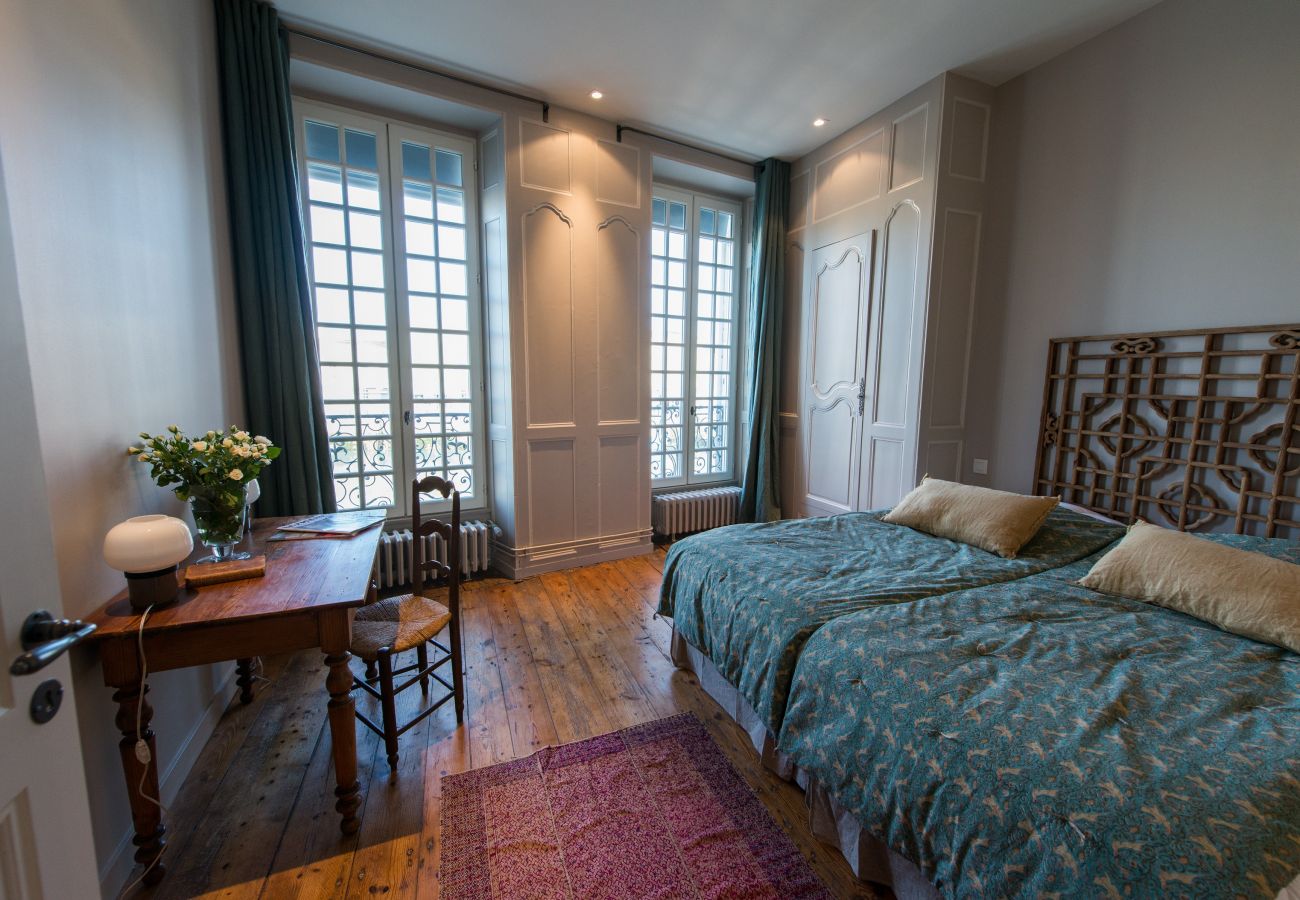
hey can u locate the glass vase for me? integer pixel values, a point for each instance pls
(219, 519)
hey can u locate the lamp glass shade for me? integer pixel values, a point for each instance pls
(252, 491)
(147, 544)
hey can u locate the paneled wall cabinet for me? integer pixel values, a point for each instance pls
(882, 262)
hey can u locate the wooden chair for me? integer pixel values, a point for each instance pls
(412, 621)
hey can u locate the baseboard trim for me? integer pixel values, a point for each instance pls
(116, 870)
(519, 563)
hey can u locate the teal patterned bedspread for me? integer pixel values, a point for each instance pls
(749, 596)
(1037, 739)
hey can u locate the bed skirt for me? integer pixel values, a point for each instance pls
(870, 859)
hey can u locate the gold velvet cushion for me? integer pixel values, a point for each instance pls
(997, 521)
(398, 622)
(1246, 593)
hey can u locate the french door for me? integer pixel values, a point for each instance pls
(391, 220)
(694, 306)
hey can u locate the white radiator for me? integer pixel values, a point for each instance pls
(686, 512)
(396, 565)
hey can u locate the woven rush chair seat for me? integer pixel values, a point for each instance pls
(384, 629)
(398, 623)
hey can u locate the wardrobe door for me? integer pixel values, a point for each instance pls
(834, 381)
(888, 448)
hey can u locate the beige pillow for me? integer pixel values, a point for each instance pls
(1246, 593)
(992, 520)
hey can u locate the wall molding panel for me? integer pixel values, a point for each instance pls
(968, 140)
(850, 178)
(907, 149)
(954, 319)
(547, 263)
(552, 490)
(618, 168)
(578, 209)
(545, 157)
(900, 279)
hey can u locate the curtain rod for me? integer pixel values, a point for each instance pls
(698, 149)
(544, 104)
(428, 70)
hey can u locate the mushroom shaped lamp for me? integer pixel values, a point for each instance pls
(147, 549)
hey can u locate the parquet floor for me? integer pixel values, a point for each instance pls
(551, 659)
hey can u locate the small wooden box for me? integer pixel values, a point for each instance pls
(202, 574)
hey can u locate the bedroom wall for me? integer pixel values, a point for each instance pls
(566, 233)
(1147, 179)
(113, 171)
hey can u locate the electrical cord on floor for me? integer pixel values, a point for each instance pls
(258, 668)
(142, 752)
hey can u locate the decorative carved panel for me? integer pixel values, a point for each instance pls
(1196, 430)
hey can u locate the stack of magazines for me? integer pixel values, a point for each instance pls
(330, 525)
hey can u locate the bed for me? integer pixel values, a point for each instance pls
(1037, 737)
(749, 596)
(1195, 430)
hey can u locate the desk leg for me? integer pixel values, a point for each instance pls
(343, 735)
(245, 680)
(141, 777)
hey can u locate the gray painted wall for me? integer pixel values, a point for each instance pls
(1147, 179)
(113, 170)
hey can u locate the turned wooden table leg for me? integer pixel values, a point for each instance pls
(141, 770)
(343, 735)
(245, 680)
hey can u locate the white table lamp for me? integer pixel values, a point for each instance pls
(147, 549)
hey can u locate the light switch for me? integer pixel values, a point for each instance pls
(980, 466)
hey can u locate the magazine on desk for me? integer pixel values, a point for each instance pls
(342, 524)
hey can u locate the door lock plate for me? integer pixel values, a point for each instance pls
(46, 701)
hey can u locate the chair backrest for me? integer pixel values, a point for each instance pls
(424, 526)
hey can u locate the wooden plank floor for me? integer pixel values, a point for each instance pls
(551, 659)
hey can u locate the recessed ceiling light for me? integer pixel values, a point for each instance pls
(818, 122)
(596, 95)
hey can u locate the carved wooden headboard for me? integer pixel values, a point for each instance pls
(1198, 430)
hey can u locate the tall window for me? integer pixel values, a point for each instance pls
(694, 292)
(390, 217)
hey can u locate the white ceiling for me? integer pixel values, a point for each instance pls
(742, 76)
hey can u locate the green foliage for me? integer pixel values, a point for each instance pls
(215, 466)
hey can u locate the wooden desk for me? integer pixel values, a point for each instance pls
(306, 599)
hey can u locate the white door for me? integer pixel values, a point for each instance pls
(835, 378)
(46, 848)
(888, 448)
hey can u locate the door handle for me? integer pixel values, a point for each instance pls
(45, 638)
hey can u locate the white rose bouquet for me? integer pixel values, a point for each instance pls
(210, 472)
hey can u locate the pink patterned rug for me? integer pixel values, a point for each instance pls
(650, 811)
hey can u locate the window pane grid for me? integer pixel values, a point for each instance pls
(693, 356)
(343, 198)
(714, 310)
(669, 329)
(437, 276)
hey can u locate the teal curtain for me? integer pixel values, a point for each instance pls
(760, 497)
(277, 339)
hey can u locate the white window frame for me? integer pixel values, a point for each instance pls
(389, 137)
(693, 200)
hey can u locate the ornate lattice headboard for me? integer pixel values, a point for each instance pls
(1199, 430)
